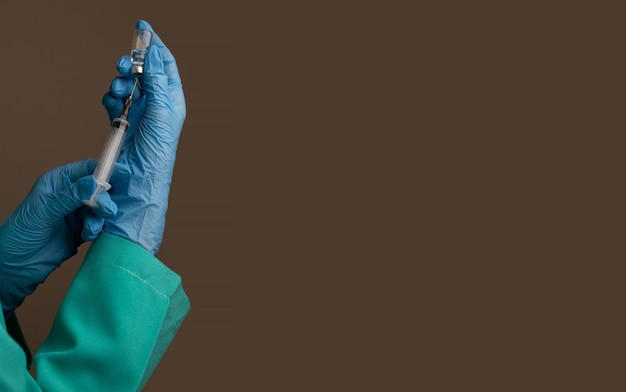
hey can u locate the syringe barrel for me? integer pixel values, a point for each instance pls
(111, 150)
(109, 156)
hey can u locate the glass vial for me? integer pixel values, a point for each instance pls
(141, 41)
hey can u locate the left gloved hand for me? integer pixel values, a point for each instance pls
(146, 161)
(47, 228)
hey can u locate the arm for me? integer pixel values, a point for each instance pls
(124, 306)
(119, 316)
(14, 376)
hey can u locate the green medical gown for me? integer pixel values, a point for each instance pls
(118, 317)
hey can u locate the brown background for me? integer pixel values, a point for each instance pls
(429, 196)
(57, 62)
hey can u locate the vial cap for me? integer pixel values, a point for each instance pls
(137, 69)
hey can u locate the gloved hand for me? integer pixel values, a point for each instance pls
(141, 183)
(47, 228)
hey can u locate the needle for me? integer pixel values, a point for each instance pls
(124, 114)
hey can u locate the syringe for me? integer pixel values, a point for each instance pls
(111, 152)
(140, 44)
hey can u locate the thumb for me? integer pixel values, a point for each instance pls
(155, 81)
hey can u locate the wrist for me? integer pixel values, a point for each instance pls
(142, 206)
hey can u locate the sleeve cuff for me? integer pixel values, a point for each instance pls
(110, 249)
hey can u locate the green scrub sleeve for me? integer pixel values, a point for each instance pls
(118, 317)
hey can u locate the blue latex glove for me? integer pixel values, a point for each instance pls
(141, 183)
(47, 228)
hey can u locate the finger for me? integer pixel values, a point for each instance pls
(56, 205)
(113, 106)
(155, 81)
(76, 170)
(171, 69)
(92, 226)
(106, 207)
(122, 87)
(124, 66)
(158, 133)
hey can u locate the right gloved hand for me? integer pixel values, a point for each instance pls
(141, 181)
(47, 228)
